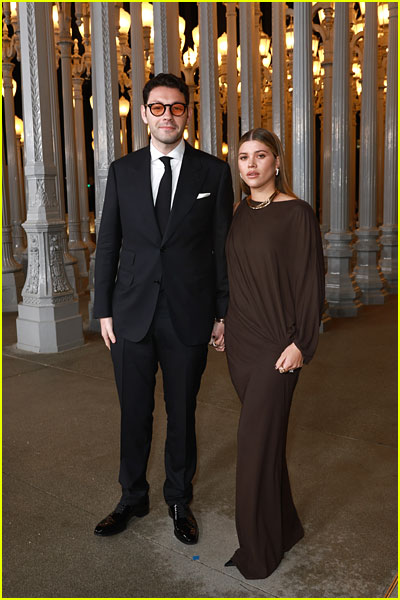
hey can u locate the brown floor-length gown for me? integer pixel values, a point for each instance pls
(276, 281)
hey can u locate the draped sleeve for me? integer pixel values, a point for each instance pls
(309, 280)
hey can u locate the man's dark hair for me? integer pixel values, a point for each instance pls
(166, 80)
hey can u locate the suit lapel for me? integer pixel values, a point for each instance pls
(190, 179)
(143, 203)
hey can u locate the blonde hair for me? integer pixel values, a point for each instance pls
(269, 139)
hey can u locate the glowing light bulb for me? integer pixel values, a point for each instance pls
(223, 44)
(19, 126)
(147, 14)
(196, 35)
(124, 21)
(124, 106)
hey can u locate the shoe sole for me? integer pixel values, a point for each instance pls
(105, 533)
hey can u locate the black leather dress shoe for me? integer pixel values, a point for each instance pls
(185, 526)
(117, 521)
(229, 563)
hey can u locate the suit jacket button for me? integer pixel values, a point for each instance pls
(157, 281)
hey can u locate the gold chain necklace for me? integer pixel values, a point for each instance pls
(262, 204)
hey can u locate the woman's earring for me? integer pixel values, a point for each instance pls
(276, 171)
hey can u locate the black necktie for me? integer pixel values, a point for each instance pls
(163, 202)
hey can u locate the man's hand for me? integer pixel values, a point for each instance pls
(107, 331)
(217, 337)
(290, 359)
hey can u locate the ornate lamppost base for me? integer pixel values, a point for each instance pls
(49, 329)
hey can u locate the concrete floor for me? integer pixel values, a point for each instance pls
(60, 436)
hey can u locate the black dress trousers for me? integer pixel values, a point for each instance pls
(135, 366)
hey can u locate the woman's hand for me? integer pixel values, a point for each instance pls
(217, 337)
(290, 359)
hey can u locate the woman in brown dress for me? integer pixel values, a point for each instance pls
(276, 281)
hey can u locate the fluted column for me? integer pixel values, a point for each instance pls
(70, 262)
(302, 128)
(366, 272)
(380, 129)
(189, 72)
(75, 244)
(327, 30)
(166, 40)
(279, 70)
(289, 114)
(353, 152)
(256, 60)
(21, 179)
(107, 144)
(140, 136)
(48, 317)
(247, 67)
(340, 293)
(9, 122)
(389, 237)
(23, 257)
(77, 83)
(232, 104)
(12, 275)
(210, 120)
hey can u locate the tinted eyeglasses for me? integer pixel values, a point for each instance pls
(157, 109)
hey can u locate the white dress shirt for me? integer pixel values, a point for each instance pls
(157, 168)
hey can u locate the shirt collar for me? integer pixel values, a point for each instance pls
(177, 152)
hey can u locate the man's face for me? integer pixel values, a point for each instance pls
(167, 129)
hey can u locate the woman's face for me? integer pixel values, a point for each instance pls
(257, 164)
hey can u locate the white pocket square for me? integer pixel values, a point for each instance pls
(203, 195)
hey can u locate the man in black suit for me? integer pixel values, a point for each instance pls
(161, 291)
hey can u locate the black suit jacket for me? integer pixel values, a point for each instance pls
(132, 258)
